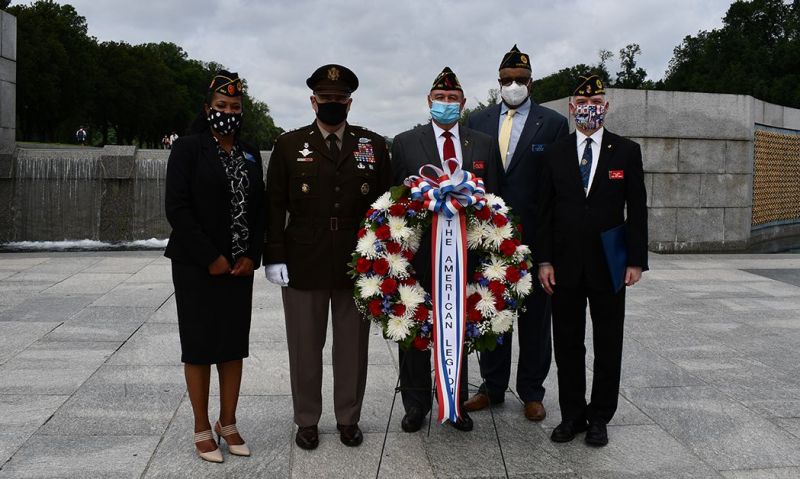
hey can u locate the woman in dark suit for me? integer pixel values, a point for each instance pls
(215, 205)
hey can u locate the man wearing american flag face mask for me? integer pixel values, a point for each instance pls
(591, 242)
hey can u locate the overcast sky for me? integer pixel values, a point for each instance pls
(397, 47)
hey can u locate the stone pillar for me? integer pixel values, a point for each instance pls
(117, 168)
(8, 113)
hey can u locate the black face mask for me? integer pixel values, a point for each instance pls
(332, 113)
(224, 123)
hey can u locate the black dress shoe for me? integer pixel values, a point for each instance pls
(566, 431)
(350, 435)
(307, 437)
(597, 434)
(412, 421)
(464, 423)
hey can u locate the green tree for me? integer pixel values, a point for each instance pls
(258, 128)
(755, 52)
(631, 76)
(54, 64)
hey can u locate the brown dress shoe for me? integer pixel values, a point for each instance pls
(534, 411)
(477, 402)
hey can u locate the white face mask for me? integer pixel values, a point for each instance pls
(514, 94)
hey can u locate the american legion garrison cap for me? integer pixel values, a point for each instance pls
(226, 83)
(333, 77)
(515, 59)
(446, 80)
(589, 85)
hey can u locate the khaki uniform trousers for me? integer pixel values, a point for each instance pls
(306, 313)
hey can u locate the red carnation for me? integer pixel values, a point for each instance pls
(363, 265)
(484, 213)
(508, 248)
(512, 274)
(523, 265)
(407, 254)
(361, 233)
(369, 212)
(393, 247)
(474, 316)
(389, 286)
(375, 307)
(408, 281)
(416, 206)
(519, 227)
(477, 276)
(399, 309)
(472, 300)
(397, 210)
(383, 232)
(497, 288)
(499, 303)
(516, 242)
(420, 343)
(499, 220)
(381, 266)
(421, 313)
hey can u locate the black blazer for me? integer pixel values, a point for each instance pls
(519, 184)
(570, 223)
(415, 148)
(198, 202)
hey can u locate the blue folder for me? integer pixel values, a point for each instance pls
(615, 246)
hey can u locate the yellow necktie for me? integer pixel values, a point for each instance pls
(505, 135)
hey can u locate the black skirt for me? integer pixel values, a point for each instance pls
(213, 314)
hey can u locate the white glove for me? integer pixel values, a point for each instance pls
(277, 274)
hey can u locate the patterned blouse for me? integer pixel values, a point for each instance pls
(239, 185)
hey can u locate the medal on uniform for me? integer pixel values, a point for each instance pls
(365, 188)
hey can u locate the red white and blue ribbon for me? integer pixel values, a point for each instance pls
(447, 192)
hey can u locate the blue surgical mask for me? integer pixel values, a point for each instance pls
(445, 113)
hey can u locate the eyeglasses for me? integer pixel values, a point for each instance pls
(506, 81)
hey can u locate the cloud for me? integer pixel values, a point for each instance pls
(397, 47)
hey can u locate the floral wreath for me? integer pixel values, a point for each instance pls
(388, 294)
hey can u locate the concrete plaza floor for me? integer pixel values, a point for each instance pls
(91, 383)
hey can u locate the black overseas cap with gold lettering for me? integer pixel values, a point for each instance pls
(589, 85)
(226, 83)
(446, 80)
(515, 59)
(334, 78)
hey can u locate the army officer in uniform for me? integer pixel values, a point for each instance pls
(324, 176)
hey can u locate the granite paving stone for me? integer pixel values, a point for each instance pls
(91, 383)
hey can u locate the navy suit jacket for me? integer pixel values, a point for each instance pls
(519, 185)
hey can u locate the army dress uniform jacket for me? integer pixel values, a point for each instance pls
(315, 203)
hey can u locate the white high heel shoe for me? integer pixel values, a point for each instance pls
(213, 456)
(230, 429)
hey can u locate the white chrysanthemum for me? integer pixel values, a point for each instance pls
(413, 241)
(399, 230)
(475, 235)
(502, 321)
(411, 296)
(383, 202)
(524, 285)
(398, 266)
(486, 304)
(522, 251)
(497, 204)
(366, 245)
(397, 329)
(496, 235)
(495, 269)
(369, 286)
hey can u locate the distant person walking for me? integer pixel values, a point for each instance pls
(81, 136)
(215, 205)
(172, 138)
(165, 144)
